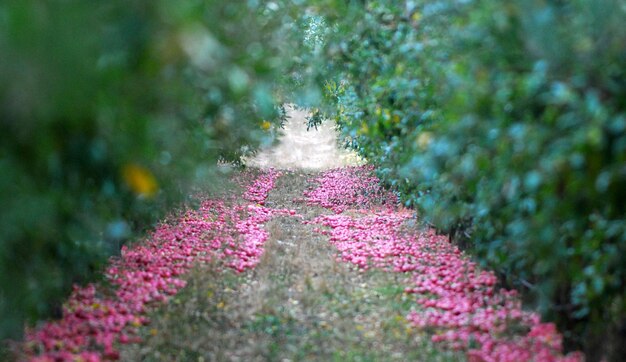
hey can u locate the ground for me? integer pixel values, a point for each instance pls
(299, 303)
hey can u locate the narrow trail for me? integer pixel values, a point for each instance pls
(302, 149)
(299, 303)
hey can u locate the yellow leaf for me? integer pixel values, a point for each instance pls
(140, 180)
(266, 125)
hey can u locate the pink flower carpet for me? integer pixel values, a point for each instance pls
(96, 320)
(457, 302)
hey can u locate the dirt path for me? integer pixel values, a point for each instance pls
(299, 303)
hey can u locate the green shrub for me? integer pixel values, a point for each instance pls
(504, 123)
(111, 113)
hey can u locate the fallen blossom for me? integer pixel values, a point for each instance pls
(146, 274)
(458, 302)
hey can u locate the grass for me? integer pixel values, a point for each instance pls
(299, 304)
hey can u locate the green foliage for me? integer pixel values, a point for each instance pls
(504, 123)
(110, 114)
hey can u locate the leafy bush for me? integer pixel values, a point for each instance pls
(110, 113)
(504, 123)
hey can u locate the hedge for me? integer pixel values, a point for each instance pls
(504, 124)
